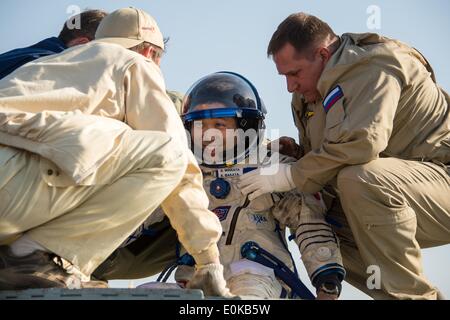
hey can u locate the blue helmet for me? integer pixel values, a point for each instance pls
(236, 97)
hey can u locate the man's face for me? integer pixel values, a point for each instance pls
(156, 56)
(302, 72)
(212, 133)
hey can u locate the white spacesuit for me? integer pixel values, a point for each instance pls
(253, 248)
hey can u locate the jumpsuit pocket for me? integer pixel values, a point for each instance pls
(401, 216)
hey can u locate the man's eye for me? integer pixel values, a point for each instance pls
(293, 73)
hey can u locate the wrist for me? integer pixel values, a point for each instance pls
(208, 256)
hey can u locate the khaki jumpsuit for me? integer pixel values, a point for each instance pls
(380, 151)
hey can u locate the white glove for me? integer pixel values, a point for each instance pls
(275, 178)
(209, 278)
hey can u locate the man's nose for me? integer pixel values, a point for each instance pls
(292, 85)
(208, 135)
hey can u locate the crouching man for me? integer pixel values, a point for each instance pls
(90, 146)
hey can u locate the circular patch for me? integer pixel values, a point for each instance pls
(323, 254)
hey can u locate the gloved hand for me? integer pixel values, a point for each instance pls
(321, 295)
(275, 178)
(209, 278)
(286, 146)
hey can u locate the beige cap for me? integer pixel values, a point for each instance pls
(129, 27)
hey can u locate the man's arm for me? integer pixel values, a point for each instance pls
(358, 127)
(149, 108)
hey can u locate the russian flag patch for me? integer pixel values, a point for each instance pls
(332, 97)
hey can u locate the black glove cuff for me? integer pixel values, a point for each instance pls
(328, 282)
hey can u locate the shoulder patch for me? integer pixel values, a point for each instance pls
(332, 97)
(221, 212)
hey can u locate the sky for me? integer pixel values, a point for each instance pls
(208, 36)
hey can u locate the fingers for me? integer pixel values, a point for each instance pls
(248, 180)
(250, 185)
(243, 183)
(209, 278)
(228, 294)
(325, 296)
(255, 195)
(253, 191)
(247, 190)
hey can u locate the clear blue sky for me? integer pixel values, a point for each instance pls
(208, 36)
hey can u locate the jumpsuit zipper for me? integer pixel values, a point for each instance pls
(234, 221)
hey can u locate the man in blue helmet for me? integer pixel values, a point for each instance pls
(225, 118)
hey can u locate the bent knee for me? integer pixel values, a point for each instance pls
(371, 186)
(359, 182)
(362, 175)
(349, 177)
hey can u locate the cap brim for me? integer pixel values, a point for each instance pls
(124, 42)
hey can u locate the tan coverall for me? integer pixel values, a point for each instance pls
(381, 149)
(79, 182)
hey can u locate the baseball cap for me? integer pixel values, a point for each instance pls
(129, 27)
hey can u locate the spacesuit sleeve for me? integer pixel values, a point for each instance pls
(318, 244)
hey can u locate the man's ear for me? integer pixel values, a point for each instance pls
(147, 52)
(324, 54)
(77, 41)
